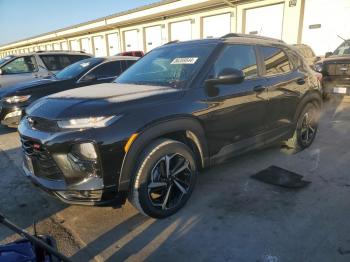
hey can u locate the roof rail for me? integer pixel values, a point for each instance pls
(252, 36)
(57, 51)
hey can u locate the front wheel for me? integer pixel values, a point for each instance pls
(164, 179)
(306, 128)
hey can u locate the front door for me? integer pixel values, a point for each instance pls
(19, 70)
(237, 111)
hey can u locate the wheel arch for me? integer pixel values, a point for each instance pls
(184, 129)
(310, 97)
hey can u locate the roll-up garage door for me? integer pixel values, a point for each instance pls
(323, 21)
(86, 46)
(64, 46)
(181, 31)
(265, 21)
(153, 37)
(74, 45)
(131, 40)
(56, 46)
(217, 25)
(99, 46)
(113, 44)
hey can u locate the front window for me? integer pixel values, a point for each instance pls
(343, 49)
(78, 68)
(172, 66)
(20, 65)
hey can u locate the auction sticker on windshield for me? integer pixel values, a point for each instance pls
(184, 61)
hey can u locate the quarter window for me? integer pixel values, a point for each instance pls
(276, 61)
(21, 65)
(241, 57)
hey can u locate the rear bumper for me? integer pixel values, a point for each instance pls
(336, 85)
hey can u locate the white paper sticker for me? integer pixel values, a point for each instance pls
(85, 64)
(184, 61)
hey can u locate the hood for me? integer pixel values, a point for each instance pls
(101, 100)
(26, 86)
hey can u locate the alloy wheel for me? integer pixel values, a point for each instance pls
(169, 181)
(308, 127)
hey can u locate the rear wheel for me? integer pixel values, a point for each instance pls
(306, 128)
(164, 179)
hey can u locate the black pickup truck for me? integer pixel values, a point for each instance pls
(335, 69)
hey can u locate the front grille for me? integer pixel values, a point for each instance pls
(44, 165)
(42, 124)
(338, 69)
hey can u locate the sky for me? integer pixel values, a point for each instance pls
(21, 19)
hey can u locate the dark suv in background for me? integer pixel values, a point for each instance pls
(181, 108)
(14, 99)
(32, 66)
(335, 69)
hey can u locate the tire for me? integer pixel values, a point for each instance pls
(304, 135)
(156, 192)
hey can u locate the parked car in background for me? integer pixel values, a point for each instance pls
(335, 69)
(14, 99)
(5, 59)
(183, 107)
(132, 53)
(25, 67)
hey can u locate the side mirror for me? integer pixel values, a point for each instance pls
(1, 73)
(89, 78)
(328, 54)
(227, 76)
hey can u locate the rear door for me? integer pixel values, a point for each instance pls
(286, 84)
(238, 111)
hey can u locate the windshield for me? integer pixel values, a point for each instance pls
(76, 69)
(5, 59)
(168, 66)
(343, 49)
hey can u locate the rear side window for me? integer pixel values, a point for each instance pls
(109, 69)
(20, 65)
(276, 61)
(58, 62)
(241, 57)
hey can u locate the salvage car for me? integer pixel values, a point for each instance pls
(20, 68)
(14, 99)
(181, 108)
(335, 69)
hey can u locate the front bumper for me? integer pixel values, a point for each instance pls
(52, 169)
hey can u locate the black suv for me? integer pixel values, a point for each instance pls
(335, 69)
(181, 108)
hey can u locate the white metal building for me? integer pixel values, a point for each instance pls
(313, 22)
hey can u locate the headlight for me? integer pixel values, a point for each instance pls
(16, 99)
(90, 122)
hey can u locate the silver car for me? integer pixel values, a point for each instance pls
(32, 66)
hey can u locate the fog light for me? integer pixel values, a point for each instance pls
(87, 195)
(86, 150)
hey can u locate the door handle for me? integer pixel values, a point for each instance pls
(259, 88)
(301, 81)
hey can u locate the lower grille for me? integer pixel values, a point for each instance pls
(44, 165)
